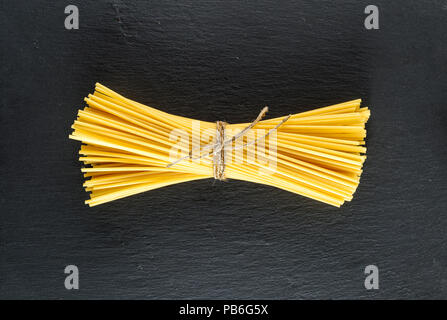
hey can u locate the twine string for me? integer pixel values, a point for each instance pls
(219, 153)
(220, 146)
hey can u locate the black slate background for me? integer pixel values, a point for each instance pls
(224, 60)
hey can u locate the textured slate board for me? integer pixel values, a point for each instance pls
(224, 60)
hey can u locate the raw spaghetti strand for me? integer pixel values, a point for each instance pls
(128, 148)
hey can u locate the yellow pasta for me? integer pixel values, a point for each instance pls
(130, 148)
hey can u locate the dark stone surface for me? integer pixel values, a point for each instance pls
(224, 60)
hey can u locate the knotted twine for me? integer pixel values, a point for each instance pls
(220, 145)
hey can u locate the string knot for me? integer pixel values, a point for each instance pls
(220, 145)
(219, 152)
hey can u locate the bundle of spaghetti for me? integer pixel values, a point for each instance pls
(127, 149)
